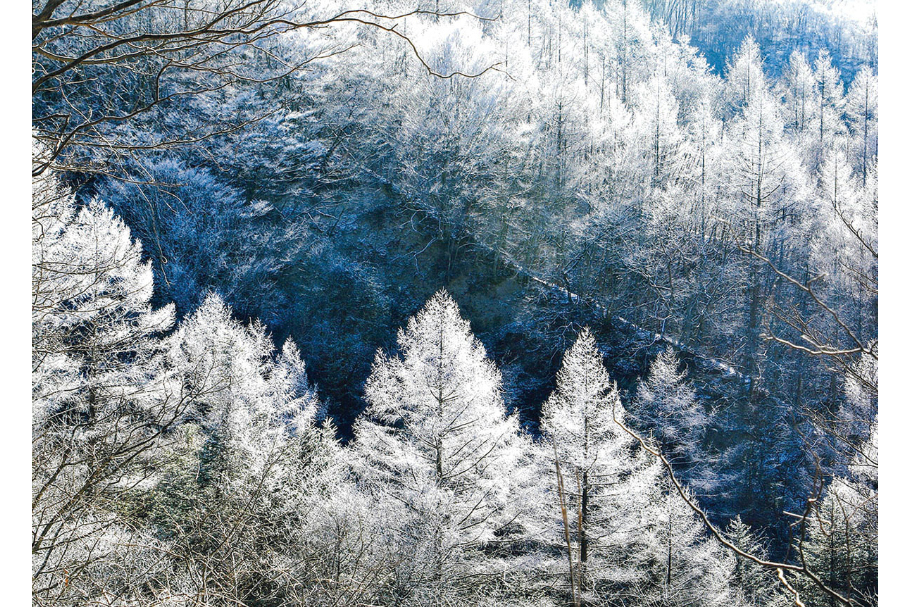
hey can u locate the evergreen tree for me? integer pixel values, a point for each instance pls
(862, 118)
(800, 95)
(830, 103)
(841, 544)
(252, 466)
(680, 563)
(745, 81)
(766, 189)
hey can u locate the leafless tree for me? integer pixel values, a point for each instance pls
(99, 67)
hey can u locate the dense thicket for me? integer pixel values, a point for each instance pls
(715, 228)
(847, 29)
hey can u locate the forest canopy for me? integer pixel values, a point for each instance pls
(587, 295)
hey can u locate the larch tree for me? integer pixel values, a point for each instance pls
(99, 406)
(755, 585)
(437, 450)
(800, 95)
(665, 404)
(680, 563)
(830, 103)
(841, 541)
(745, 79)
(251, 465)
(600, 484)
(844, 245)
(657, 118)
(844, 228)
(862, 118)
(766, 186)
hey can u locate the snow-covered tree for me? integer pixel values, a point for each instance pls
(665, 404)
(249, 403)
(594, 457)
(680, 564)
(830, 102)
(99, 407)
(251, 467)
(841, 543)
(766, 186)
(745, 81)
(438, 450)
(862, 118)
(657, 124)
(800, 96)
(92, 325)
(754, 584)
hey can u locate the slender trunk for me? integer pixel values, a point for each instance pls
(582, 531)
(576, 600)
(669, 551)
(529, 25)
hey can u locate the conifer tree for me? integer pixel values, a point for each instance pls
(800, 96)
(745, 80)
(251, 465)
(862, 118)
(665, 405)
(593, 454)
(100, 407)
(97, 410)
(437, 450)
(766, 187)
(680, 563)
(841, 543)
(830, 102)
(755, 585)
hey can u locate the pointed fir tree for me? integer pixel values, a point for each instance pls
(250, 465)
(666, 406)
(745, 80)
(830, 102)
(841, 544)
(754, 584)
(861, 108)
(437, 450)
(800, 96)
(679, 562)
(593, 454)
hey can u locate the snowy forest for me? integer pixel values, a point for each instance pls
(520, 303)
